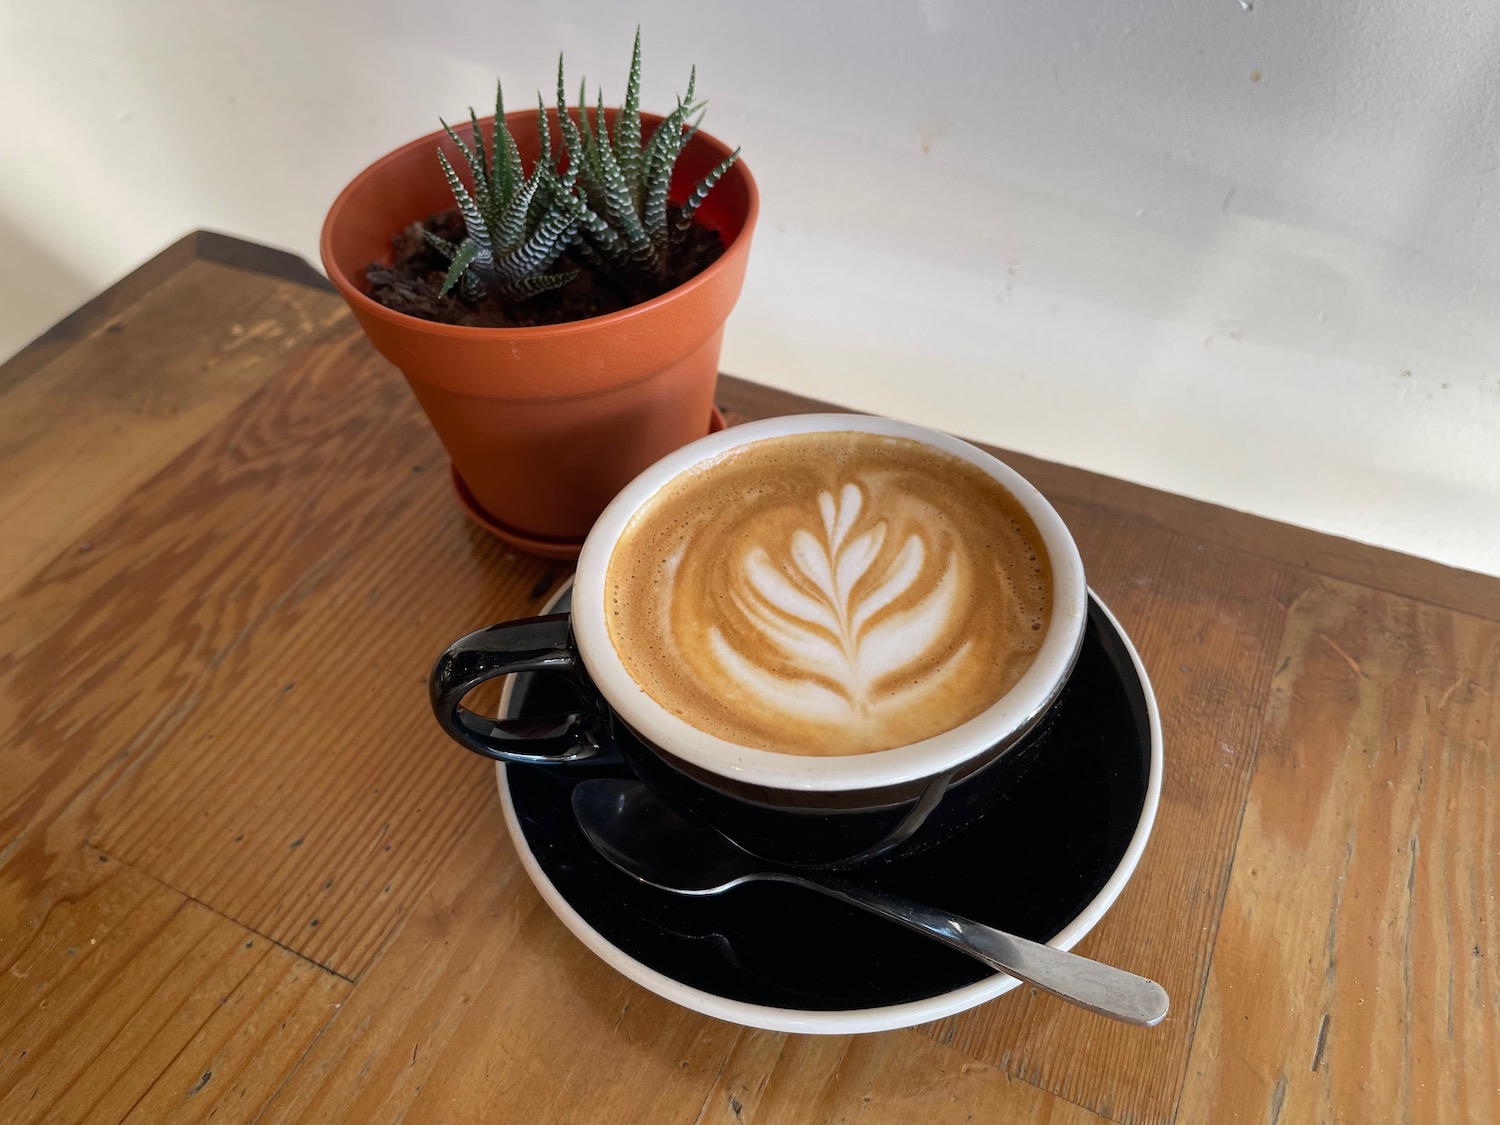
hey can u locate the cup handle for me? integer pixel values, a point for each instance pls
(537, 644)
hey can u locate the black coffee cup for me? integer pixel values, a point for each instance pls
(804, 809)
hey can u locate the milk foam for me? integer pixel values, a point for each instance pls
(829, 593)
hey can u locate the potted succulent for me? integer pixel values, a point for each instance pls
(562, 329)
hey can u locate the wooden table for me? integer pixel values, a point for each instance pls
(245, 878)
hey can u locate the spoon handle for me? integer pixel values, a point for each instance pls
(1089, 984)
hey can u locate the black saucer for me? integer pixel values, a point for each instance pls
(1045, 864)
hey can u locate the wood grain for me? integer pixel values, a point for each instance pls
(88, 426)
(897, 1077)
(485, 1001)
(1354, 979)
(124, 1000)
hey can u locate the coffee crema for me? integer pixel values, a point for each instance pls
(829, 593)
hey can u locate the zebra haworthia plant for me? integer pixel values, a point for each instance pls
(606, 207)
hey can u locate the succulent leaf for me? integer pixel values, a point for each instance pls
(628, 125)
(572, 134)
(473, 220)
(590, 138)
(601, 126)
(462, 258)
(544, 134)
(691, 129)
(705, 185)
(441, 245)
(603, 236)
(512, 225)
(539, 251)
(619, 206)
(524, 287)
(505, 168)
(661, 158)
(476, 167)
(666, 144)
(484, 157)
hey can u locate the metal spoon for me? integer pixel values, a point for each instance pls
(648, 841)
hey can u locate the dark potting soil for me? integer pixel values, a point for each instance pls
(410, 284)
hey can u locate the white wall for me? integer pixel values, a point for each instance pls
(1247, 250)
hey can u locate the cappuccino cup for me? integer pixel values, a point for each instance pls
(832, 638)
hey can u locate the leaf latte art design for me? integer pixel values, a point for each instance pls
(857, 628)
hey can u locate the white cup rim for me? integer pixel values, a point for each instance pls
(746, 765)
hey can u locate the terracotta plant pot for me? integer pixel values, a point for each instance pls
(545, 424)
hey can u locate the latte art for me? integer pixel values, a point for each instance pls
(829, 593)
(839, 645)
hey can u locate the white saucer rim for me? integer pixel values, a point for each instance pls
(852, 1020)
